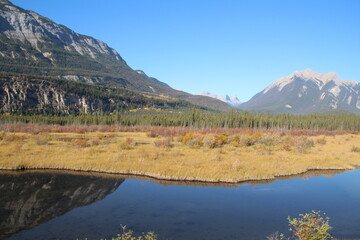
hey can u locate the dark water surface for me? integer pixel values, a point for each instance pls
(66, 206)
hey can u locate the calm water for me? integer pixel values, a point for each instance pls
(62, 206)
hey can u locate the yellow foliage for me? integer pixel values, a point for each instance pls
(256, 136)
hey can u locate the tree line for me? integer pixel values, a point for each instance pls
(198, 119)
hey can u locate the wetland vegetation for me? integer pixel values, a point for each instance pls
(313, 225)
(177, 153)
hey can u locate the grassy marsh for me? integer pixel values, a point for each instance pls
(196, 155)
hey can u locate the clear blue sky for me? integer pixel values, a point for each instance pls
(220, 46)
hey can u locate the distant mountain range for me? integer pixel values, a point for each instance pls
(45, 67)
(307, 92)
(231, 100)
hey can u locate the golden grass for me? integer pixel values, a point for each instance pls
(136, 153)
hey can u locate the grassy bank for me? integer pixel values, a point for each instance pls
(180, 154)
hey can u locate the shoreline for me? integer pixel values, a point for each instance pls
(151, 177)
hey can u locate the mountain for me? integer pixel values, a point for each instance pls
(306, 92)
(33, 45)
(26, 94)
(231, 100)
(28, 200)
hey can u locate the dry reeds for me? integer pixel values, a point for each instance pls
(355, 149)
(205, 155)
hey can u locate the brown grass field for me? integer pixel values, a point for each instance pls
(179, 154)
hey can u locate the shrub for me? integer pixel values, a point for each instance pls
(82, 142)
(355, 149)
(80, 130)
(321, 140)
(246, 141)
(2, 135)
(290, 140)
(196, 142)
(213, 140)
(221, 140)
(234, 139)
(127, 144)
(257, 136)
(165, 143)
(267, 139)
(209, 141)
(129, 235)
(129, 141)
(189, 136)
(43, 140)
(310, 226)
(106, 139)
(303, 144)
(94, 141)
(192, 140)
(285, 147)
(100, 136)
(275, 236)
(152, 134)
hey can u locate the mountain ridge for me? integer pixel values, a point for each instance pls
(31, 44)
(306, 92)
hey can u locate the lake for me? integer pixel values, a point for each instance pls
(38, 205)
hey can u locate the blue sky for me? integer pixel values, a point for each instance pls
(221, 46)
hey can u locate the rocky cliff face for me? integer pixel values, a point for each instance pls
(31, 94)
(36, 96)
(41, 33)
(41, 96)
(28, 200)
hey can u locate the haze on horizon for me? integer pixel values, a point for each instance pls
(224, 47)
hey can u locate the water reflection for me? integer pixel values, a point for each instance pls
(27, 200)
(182, 210)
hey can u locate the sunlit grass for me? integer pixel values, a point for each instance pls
(208, 158)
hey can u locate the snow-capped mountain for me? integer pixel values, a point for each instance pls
(231, 100)
(307, 92)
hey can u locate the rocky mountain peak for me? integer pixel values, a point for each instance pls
(307, 91)
(231, 100)
(43, 35)
(5, 2)
(306, 75)
(318, 78)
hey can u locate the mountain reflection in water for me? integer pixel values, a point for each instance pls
(30, 199)
(173, 210)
